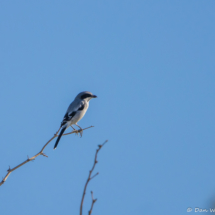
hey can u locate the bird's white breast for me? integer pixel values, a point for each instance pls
(79, 115)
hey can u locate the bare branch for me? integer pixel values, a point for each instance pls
(88, 180)
(94, 176)
(39, 153)
(93, 201)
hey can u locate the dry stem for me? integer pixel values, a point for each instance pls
(39, 153)
(88, 180)
(93, 201)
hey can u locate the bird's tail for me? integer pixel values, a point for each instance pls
(58, 139)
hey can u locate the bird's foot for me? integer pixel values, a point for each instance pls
(76, 131)
(81, 132)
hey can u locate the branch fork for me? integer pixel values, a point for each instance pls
(39, 153)
(88, 180)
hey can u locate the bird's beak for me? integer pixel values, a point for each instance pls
(94, 96)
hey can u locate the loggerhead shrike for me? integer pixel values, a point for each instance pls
(75, 112)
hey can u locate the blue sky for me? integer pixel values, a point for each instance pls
(151, 64)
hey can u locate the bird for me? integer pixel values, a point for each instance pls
(75, 113)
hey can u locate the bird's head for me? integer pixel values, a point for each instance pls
(85, 96)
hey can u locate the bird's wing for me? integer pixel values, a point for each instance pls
(72, 110)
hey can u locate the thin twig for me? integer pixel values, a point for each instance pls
(39, 153)
(90, 178)
(93, 201)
